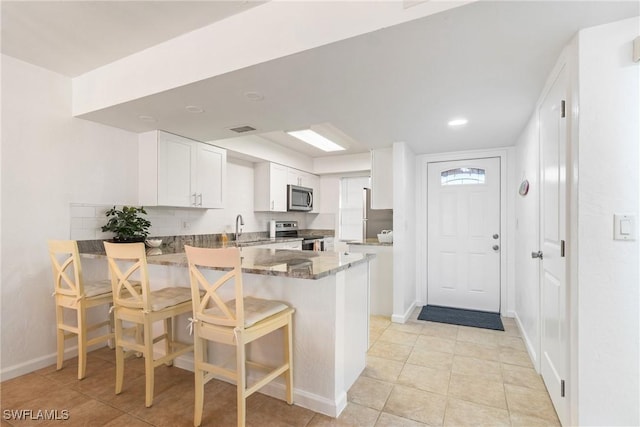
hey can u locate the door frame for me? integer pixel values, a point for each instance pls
(507, 187)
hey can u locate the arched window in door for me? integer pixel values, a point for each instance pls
(462, 176)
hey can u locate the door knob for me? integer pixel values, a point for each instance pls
(536, 254)
(495, 237)
(496, 247)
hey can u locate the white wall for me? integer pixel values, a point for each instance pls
(404, 231)
(49, 160)
(608, 183)
(342, 164)
(527, 269)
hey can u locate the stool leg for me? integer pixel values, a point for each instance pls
(198, 355)
(60, 335)
(168, 342)
(112, 341)
(82, 340)
(119, 355)
(288, 354)
(241, 380)
(148, 362)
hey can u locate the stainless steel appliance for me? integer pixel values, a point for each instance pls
(299, 198)
(374, 220)
(309, 242)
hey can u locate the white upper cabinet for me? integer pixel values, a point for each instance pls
(382, 178)
(210, 176)
(270, 187)
(180, 172)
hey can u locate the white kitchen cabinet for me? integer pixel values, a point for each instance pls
(178, 171)
(382, 178)
(270, 187)
(210, 176)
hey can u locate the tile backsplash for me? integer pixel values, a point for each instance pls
(87, 220)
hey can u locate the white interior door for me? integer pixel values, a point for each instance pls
(464, 234)
(554, 341)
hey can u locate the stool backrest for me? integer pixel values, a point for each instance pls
(224, 258)
(67, 272)
(125, 293)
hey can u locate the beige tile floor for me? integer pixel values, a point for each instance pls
(417, 374)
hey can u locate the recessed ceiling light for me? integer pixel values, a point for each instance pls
(147, 118)
(254, 96)
(458, 122)
(194, 109)
(315, 139)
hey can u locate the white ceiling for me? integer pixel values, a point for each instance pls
(73, 37)
(486, 61)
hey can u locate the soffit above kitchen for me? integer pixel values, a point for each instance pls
(486, 61)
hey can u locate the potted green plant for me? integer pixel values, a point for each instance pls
(127, 224)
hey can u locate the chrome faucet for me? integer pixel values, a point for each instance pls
(239, 227)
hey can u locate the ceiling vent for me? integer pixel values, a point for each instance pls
(242, 129)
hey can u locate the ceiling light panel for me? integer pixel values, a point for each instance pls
(458, 122)
(315, 139)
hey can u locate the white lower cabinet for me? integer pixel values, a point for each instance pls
(380, 278)
(180, 172)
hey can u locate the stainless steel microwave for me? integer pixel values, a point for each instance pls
(299, 198)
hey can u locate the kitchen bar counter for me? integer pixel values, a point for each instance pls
(330, 324)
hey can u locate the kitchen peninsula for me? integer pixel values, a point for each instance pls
(330, 293)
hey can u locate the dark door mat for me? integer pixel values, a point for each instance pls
(458, 316)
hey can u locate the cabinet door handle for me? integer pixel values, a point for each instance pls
(272, 205)
(200, 197)
(194, 195)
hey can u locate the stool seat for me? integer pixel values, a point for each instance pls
(255, 310)
(93, 289)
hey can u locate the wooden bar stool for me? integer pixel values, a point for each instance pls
(143, 307)
(235, 322)
(73, 293)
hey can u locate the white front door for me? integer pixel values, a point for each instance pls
(463, 208)
(554, 330)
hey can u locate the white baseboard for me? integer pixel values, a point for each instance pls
(402, 318)
(528, 344)
(277, 390)
(41, 362)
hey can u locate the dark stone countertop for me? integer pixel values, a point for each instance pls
(273, 262)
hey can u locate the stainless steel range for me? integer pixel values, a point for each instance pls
(309, 242)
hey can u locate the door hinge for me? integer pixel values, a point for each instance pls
(561, 388)
(562, 248)
(563, 111)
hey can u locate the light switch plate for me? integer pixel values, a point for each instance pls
(624, 227)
